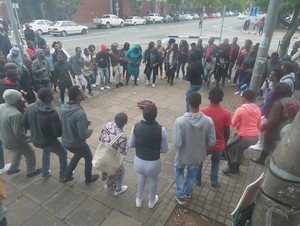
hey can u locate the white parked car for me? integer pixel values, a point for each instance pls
(188, 16)
(154, 18)
(66, 27)
(218, 15)
(108, 20)
(40, 26)
(135, 20)
(196, 16)
(241, 16)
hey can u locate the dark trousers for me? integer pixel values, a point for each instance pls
(3, 222)
(82, 152)
(154, 73)
(2, 163)
(268, 147)
(171, 73)
(181, 64)
(62, 87)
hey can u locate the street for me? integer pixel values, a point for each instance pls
(143, 34)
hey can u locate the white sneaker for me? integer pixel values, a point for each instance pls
(105, 186)
(237, 93)
(102, 88)
(97, 84)
(123, 189)
(5, 168)
(152, 203)
(94, 85)
(241, 94)
(229, 80)
(257, 147)
(138, 202)
(213, 80)
(138, 79)
(147, 82)
(107, 87)
(132, 78)
(153, 85)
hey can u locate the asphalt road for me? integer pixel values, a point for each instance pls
(143, 34)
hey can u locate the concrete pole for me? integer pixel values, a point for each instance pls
(13, 22)
(265, 41)
(223, 16)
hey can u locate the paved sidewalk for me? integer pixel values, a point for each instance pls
(45, 201)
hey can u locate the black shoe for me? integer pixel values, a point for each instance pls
(257, 160)
(93, 178)
(171, 83)
(229, 170)
(34, 173)
(67, 179)
(136, 84)
(121, 84)
(168, 81)
(117, 85)
(10, 172)
(127, 80)
(215, 184)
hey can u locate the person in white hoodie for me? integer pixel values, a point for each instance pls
(289, 75)
(192, 133)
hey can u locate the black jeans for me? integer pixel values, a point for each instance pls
(3, 222)
(62, 87)
(82, 152)
(2, 163)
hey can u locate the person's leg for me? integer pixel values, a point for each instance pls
(106, 76)
(62, 92)
(29, 155)
(101, 72)
(46, 161)
(244, 143)
(190, 178)
(3, 222)
(2, 162)
(223, 78)
(172, 75)
(73, 163)
(179, 178)
(178, 68)
(199, 174)
(153, 172)
(268, 147)
(135, 73)
(192, 88)
(120, 178)
(139, 166)
(215, 164)
(89, 83)
(88, 157)
(15, 161)
(155, 73)
(183, 67)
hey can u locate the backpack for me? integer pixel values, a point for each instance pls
(142, 104)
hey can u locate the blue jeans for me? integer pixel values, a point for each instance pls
(104, 75)
(2, 163)
(184, 185)
(215, 164)
(57, 148)
(192, 88)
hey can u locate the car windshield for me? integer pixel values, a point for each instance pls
(54, 24)
(131, 17)
(106, 16)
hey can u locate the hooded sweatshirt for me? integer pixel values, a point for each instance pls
(40, 69)
(74, 125)
(247, 119)
(133, 57)
(193, 132)
(289, 79)
(44, 123)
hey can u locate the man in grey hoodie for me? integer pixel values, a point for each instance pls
(192, 133)
(45, 126)
(40, 71)
(75, 131)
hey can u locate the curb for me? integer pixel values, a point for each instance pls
(191, 36)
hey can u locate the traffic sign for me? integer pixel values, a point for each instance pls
(254, 10)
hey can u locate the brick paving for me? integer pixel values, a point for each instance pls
(46, 201)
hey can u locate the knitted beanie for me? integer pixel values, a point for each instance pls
(11, 96)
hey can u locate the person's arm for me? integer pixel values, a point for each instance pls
(122, 144)
(177, 135)
(211, 134)
(25, 120)
(164, 140)
(16, 124)
(82, 126)
(131, 143)
(236, 118)
(56, 125)
(226, 134)
(274, 117)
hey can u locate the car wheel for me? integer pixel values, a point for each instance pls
(134, 24)
(40, 31)
(107, 25)
(83, 31)
(153, 21)
(63, 33)
(121, 24)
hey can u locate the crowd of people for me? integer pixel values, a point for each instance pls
(28, 84)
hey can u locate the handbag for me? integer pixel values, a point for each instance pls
(107, 159)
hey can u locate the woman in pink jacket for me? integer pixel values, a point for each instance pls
(247, 120)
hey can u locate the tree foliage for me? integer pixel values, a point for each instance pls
(68, 7)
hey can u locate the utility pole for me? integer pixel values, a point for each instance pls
(223, 16)
(13, 22)
(265, 41)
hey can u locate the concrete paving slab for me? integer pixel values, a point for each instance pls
(12, 194)
(63, 202)
(20, 181)
(21, 210)
(90, 190)
(88, 213)
(107, 197)
(43, 189)
(117, 218)
(44, 218)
